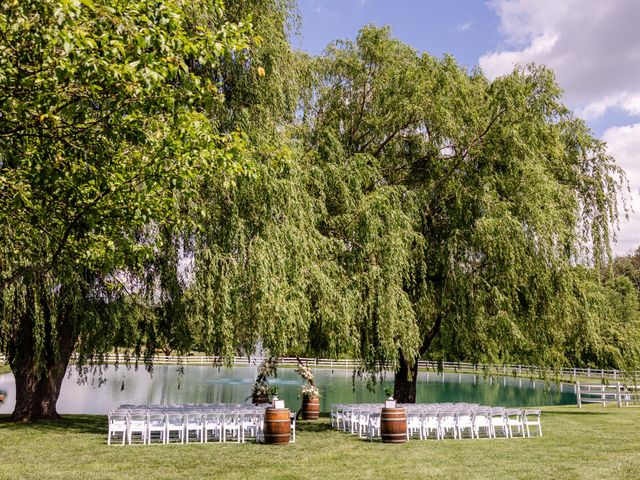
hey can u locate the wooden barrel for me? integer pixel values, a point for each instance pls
(310, 408)
(277, 426)
(393, 425)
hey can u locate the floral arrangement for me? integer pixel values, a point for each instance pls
(261, 387)
(308, 388)
(268, 368)
(310, 391)
(305, 372)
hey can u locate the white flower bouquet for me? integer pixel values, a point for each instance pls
(310, 391)
(308, 388)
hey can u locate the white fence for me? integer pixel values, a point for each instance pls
(345, 363)
(617, 393)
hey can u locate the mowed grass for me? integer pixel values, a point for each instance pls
(588, 443)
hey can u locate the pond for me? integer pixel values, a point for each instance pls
(206, 384)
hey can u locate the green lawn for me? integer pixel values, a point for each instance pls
(591, 443)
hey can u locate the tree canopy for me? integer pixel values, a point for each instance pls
(414, 208)
(174, 176)
(104, 126)
(462, 205)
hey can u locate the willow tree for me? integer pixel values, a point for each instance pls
(629, 266)
(607, 322)
(250, 240)
(460, 203)
(103, 125)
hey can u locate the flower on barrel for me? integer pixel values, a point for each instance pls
(310, 393)
(262, 389)
(305, 372)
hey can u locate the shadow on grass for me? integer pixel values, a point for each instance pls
(89, 424)
(575, 412)
(313, 426)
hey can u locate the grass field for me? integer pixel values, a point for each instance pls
(591, 443)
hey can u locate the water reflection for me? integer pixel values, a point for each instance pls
(207, 384)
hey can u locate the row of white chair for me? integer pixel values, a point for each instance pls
(441, 420)
(182, 424)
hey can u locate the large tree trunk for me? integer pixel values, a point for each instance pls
(406, 378)
(404, 390)
(38, 381)
(37, 389)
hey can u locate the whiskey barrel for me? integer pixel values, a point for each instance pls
(393, 425)
(310, 408)
(277, 426)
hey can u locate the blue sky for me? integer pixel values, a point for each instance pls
(466, 32)
(592, 45)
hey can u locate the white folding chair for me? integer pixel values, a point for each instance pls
(341, 411)
(175, 424)
(514, 420)
(465, 421)
(250, 424)
(156, 424)
(348, 418)
(292, 417)
(117, 424)
(232, 426)
(447, 420)
(333, 415)
(414, 424)
(482, 422)
(137, 425)
(362, 422)
(499, 422)
(531, 418)
(213, 425)
(373, 429)
(430, 424)
(193, 424)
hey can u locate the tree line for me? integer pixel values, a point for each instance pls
(173, 175)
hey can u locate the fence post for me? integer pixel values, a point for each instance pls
(618, 394)
(578, 395)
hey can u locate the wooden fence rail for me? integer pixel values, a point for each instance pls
(617, 393)
(346, 363)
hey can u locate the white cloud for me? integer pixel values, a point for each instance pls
(624, 144)
(592, 45)
(464, 27)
